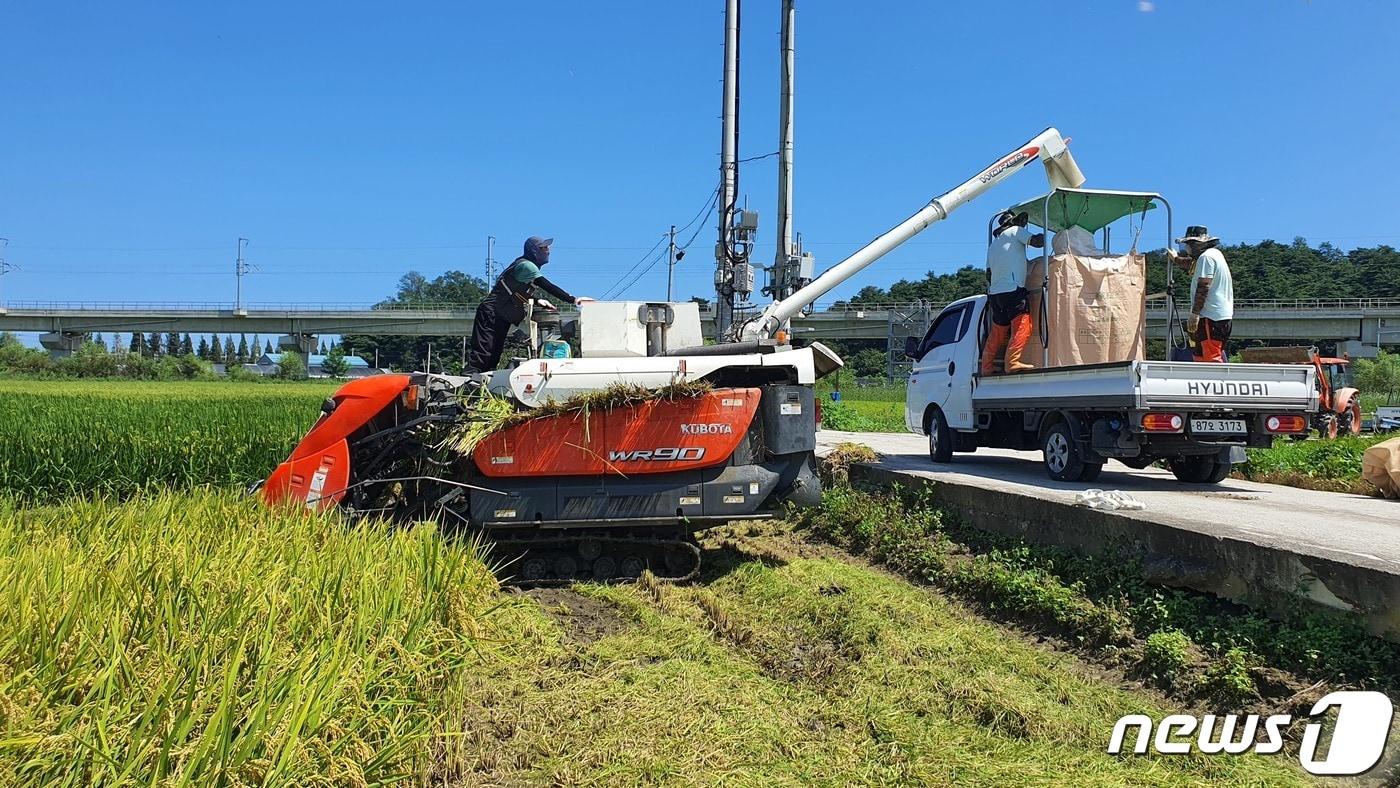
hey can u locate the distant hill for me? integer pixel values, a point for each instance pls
(1264, 270)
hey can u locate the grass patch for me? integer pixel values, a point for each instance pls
(812, 672)
(1102, 603)
(863, 416)
(110, 437)
(1332, 465)
(202, 639)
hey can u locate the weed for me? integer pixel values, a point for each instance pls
(1228, 679)
(1320, 464)
(1099, 600)
(1166, 654)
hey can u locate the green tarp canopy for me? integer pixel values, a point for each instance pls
(1088, 209)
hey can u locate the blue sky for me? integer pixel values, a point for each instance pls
(352, 142)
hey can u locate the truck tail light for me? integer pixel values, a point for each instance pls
(1290, 423)
(1162, 422)
(817, 412)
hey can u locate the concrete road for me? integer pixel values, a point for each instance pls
(1351, 529)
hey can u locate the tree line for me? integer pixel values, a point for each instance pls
(1263, 270)
(161, 357)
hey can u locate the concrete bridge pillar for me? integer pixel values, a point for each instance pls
(61, 343)
(304, 344)
(1356, 348)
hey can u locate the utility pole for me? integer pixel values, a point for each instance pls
(783, 255)
(670, 263)
(5, 268)
(728, 171)
(240, 268)
(490, 260)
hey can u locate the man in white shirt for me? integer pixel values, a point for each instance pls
(1212, 292)
(1006, 295)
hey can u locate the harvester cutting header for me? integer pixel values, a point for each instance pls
(606, 464)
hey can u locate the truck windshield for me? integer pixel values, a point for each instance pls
(946, 330)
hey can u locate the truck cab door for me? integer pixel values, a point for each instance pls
(966, 357)
(937, 364)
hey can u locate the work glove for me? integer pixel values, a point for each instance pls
(583, 299)
(1178, 259)
(543, 304)
(1193, 322)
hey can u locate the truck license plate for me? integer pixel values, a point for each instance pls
(1219, 426)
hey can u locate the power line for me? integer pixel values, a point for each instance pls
(705, 211)
(756, 158)
(619, 288)
(640, 274)
(711, 210)
(640, 260)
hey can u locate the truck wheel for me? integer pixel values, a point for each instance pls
(940, 438)
(1062, 460)
(1091, 471)
(1200, 469)
(1219, 472)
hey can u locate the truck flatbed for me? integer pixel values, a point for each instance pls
(1151, 385)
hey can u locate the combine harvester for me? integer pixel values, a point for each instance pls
(620, 481)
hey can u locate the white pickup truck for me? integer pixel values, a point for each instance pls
(1198, 417)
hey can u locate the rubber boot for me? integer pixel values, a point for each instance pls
(1020, 335)
(996, 342)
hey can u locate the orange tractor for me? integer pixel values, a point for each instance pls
(1339, 402)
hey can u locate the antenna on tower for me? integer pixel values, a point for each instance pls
(5, 268)
(240, 269)
(490, 260)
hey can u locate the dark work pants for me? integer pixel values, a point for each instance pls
(489, 331)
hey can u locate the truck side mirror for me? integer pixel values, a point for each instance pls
(911, 348)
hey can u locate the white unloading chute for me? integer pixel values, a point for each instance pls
(1048, 146)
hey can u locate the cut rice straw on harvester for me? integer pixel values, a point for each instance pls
(487, 414)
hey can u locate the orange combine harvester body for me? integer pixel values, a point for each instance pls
(588, 493)
(658, 436)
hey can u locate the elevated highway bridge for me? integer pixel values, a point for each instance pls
(1359, 326)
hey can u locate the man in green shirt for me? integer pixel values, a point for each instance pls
(505, 304)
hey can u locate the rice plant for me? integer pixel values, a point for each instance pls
(202, 639)
(113, 437)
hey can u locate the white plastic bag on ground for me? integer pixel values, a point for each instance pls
(1108, 500)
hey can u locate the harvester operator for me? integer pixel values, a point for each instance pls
(505, 305)
(1007, 295)
(1212, 292)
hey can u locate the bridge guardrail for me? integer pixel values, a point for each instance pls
(226, 306)
(1281, 304)
(834, 308)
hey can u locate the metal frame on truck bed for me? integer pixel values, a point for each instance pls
(1092, 216)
